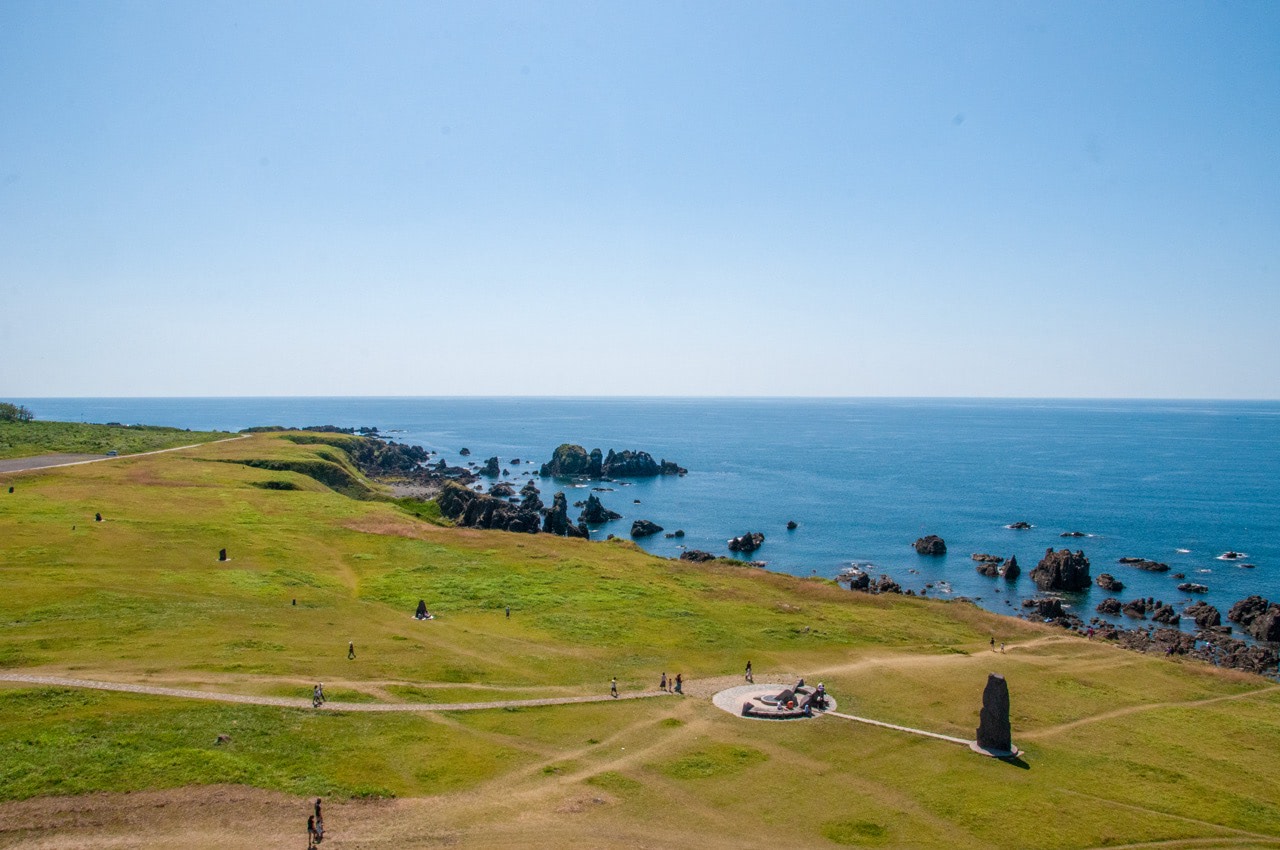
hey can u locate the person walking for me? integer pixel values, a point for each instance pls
(613, 687)
(679, 686)
(311, 831)
(351, 650)
(748, 677)
(508, 612)
(662, 685)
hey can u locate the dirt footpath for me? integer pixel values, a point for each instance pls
(22, 464)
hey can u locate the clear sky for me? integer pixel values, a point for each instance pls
(693, 198)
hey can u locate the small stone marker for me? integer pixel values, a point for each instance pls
(222, 554)
(97, 517)
(994, 734)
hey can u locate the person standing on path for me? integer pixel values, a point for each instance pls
(993, 643)
(679, 686)
(613, 687)
(311, 831)
(508, 612)
(662, 685)
(351, 650)
(749, 679)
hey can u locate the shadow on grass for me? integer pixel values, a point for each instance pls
(1016, 761)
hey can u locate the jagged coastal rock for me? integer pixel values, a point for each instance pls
(697, 556)
(557, 519)
(1257, 616)
(474, 510)
(1193, 587)
(749, 542)
(1145, 564)
(644, 528)
(1110, 605)
(595, 512)
(931, 545)
(1205, 615)
(1108, 582)
(573, 461)
(989, 568)
(1011, 569)
(1062, 570)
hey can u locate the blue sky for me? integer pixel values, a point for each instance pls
(919, 199)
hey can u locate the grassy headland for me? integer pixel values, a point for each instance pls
(1120, 748)
(26, 439)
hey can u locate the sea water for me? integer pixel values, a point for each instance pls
(1174, 481)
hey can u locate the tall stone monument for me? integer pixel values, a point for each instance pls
(994, 735)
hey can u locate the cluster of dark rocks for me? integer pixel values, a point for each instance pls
(1259, 618)
(593, 511)
(1146, 564)
(573, 461)
(994, 566)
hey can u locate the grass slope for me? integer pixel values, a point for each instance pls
(1121, 748)
(26, 439)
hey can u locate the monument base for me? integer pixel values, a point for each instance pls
(995, 754)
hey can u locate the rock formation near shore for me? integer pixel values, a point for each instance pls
(697, 556)
(1011, 569)
(749, 542)
(573, 461)
(1258, 617)
(644, 528)
(474, 510)
(1062, 570)
(557, 519)
(1205, 615)
(595, 512)
(1145, 564)
(1108, 582)
(931, 545)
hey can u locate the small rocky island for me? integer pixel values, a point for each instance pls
(573, 461)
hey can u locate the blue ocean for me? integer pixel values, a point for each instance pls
(1180, 482)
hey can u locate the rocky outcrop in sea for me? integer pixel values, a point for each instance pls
(1062, 570)
(573, 461)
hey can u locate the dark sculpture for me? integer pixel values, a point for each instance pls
(993, 726)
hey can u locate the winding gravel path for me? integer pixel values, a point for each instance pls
(27, 464)
(291, 702)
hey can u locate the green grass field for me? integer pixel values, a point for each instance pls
(1121, 749)
(25, 439)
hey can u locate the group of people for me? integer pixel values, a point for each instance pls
(673, 685)
(315, 826)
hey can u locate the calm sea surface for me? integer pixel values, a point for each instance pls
(1179, 482)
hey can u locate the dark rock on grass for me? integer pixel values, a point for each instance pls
(1192, 587)
(644, 528)
(1110, 605)
(1108, 582)
(930, 545)
(1062, 570)
(749, 542)
(595, 512)
(993, 721)
(697, 556)
(1205, 615)
(1146, 564)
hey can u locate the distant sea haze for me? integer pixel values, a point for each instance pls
(1173, 481)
